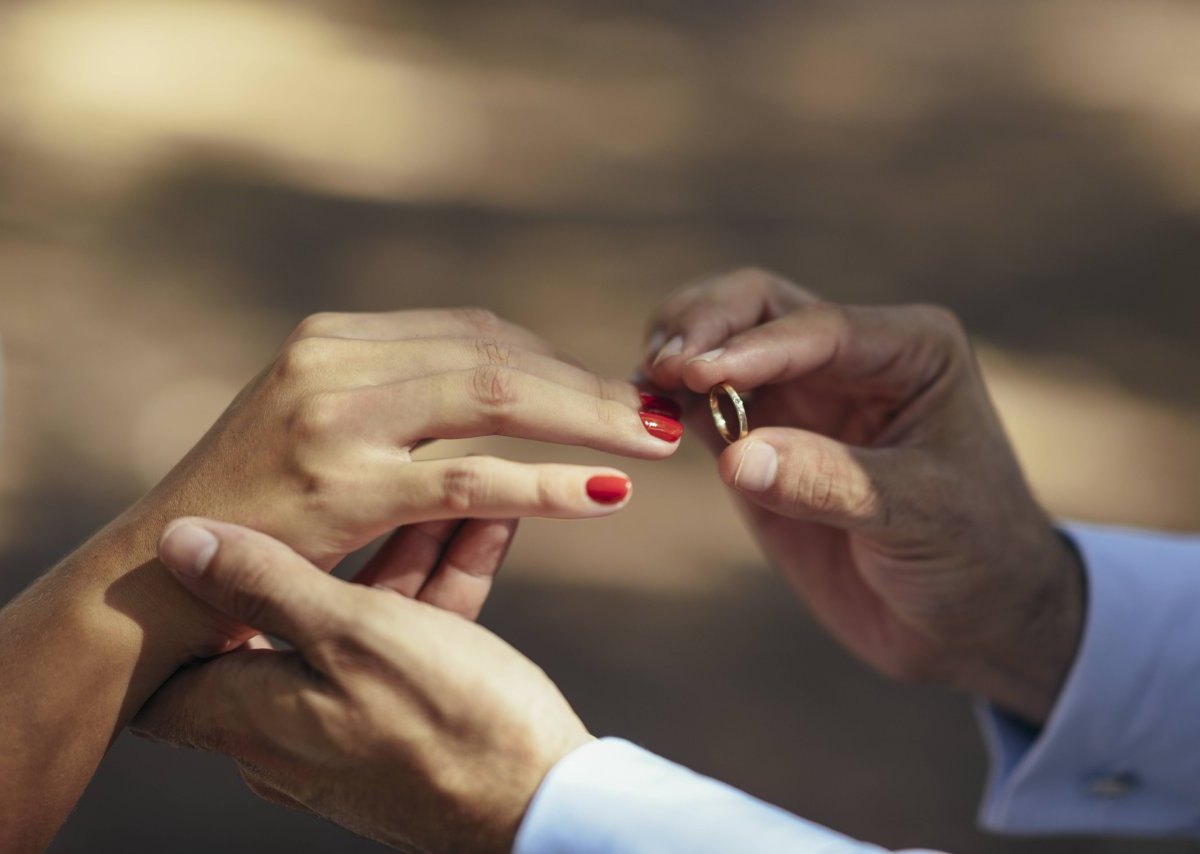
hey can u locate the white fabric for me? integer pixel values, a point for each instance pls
(611, 797)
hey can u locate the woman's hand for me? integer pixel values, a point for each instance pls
(316, 451)
(879, 479)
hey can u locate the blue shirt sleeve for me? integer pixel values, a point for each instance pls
(611, 797)
(1118, 755)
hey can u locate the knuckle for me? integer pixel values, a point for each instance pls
(483, 321)
(822, 485)
(834, 314)
(830, 484)
(321, 488)
(246, 593)
(315, 416)
(609, 415)
(304, 358)
(609, 390)
(548, 492)
(820, 482)
(831, 319)
(322, 478)
(493, 352)
(494, 387)
(944, 322)
(752, 277)
(707, 320)
(773, 289)
(319, 325)
(466, 484)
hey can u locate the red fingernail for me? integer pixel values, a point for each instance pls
(608, 489)
(662, 427)
(659, 405)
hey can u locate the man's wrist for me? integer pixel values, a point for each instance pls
(1024, 670)
(499, 830)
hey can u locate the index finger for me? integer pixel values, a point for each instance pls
(889, 350)
(704, 316)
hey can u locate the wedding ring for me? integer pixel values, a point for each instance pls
(714, 403)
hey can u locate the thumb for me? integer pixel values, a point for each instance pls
(251, 577)
(808, 476)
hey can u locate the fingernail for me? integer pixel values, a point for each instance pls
(187, 549)
(657, 339)
(662, 427)
(637, 377)
(673, 348)
(656, 404)
(710, 356)
(757, 469)
(608, 489)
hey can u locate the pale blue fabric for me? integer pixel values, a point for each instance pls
(611, 797)
(1120, 754)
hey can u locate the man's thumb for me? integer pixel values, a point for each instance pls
(250, 577)
(808, 476)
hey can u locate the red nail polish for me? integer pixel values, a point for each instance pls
(608, 489)
(662, 427)
(659, 405)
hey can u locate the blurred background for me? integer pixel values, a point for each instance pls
(181, 182)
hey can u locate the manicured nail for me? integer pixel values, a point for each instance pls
(187, 549)
(710, 356)
(656, 404)
(757, 469)
(673, 348)
(662, 427)
(608, 489)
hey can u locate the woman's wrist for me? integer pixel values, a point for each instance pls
(85, 647)
(115, 578)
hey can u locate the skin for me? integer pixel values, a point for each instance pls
(880, 481)
(395, 718)
(892, 503)
(316, 451)
(890, 499)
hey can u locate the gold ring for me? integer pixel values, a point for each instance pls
(714, 403)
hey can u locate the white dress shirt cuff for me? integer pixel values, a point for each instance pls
(610, 796)
(1118, 753)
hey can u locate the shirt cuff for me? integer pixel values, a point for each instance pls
(1117, 755)
(611, 796)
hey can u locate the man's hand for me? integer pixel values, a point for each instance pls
(394, 718)
(880, 480)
